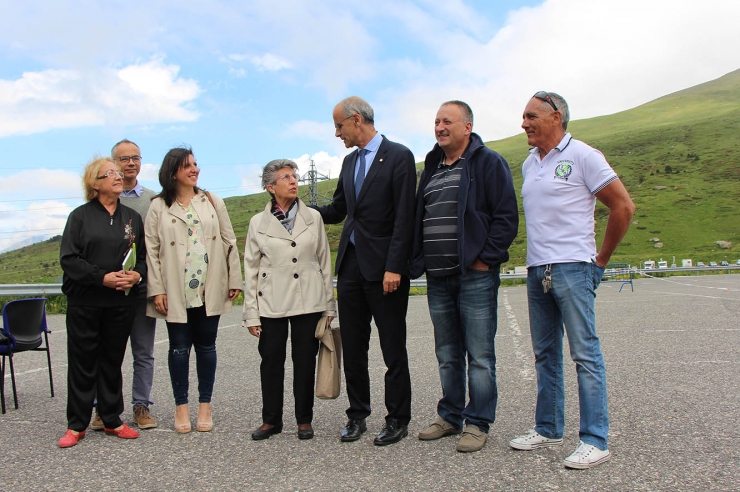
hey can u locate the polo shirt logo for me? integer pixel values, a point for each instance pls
(563, 170)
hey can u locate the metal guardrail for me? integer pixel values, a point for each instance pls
(8, 290)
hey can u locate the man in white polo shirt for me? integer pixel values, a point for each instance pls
(563, 178)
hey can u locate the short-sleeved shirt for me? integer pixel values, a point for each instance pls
(559, 199)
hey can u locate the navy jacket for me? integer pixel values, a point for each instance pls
(487, 213)
(381, 216)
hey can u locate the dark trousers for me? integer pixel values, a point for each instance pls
(303, 349)
(360, 301)
(200, 332)
(96, 345)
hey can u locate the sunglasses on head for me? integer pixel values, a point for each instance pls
(544, 96)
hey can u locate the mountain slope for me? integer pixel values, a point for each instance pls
(685, 144)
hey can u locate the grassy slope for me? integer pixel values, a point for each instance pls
(694, 132)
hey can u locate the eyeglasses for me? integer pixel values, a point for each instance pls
(111, 173)
(136, 159)
(544, 96)
(338, 126)
(287, 177)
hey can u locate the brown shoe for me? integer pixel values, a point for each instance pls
(97, 422)
(473, 439)
(438, 429)
(143, 418)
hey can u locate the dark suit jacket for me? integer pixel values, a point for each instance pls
(382, 216)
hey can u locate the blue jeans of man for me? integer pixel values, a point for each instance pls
(142, 350)
(464, 314)
(568, 307)
(199, 332)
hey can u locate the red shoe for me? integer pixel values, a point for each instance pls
(70, 439)
(124, 432)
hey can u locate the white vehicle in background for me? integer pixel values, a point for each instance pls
(662, 263)
(700, 264)
(649, 265)
(712, 263)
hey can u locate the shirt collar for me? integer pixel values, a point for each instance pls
(374, 143)
(137, 190)
(560, 146)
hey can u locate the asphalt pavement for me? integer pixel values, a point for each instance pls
(671, 350)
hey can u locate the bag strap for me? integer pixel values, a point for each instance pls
(210, 198)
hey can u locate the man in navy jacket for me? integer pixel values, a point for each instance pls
(466, 218)
(375, 192)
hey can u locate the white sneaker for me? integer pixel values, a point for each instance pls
(586, 456)
(534, 440)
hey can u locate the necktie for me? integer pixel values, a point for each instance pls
(360, 172)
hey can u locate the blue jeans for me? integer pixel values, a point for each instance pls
(464, 313)
(200, 332)
(568, 307)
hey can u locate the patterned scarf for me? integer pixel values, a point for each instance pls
(285, 218)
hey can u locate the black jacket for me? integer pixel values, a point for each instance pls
(381, 216)
(94, 244)
(487, 213)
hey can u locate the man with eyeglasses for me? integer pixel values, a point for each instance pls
(466, 218)
(563, 178)
(375, 193)
(127, 156)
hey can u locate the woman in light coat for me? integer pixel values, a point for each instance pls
(287, 267)
(194, 274)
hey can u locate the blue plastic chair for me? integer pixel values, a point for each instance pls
(24, 321)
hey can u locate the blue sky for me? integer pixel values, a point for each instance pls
(247, 82)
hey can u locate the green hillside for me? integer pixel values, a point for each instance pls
(686, 142)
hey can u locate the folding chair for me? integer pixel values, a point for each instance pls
(24, 321)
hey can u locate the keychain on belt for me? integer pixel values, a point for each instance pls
(547, 280)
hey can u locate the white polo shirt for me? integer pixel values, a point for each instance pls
(558, 195)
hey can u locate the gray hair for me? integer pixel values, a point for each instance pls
(125, 140)
(467, 113)
(268, 173)
(355, 104)
(562, 108)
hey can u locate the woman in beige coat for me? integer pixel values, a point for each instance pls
(194, 274)
(287, 267)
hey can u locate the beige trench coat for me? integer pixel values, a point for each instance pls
(166, 245)
(287, 274)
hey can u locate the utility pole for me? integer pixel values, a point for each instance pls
(312, 178)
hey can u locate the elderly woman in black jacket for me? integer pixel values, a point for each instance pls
(97, 239)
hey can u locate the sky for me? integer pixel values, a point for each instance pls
(243, 83)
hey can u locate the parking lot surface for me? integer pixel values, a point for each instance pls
(671, 350)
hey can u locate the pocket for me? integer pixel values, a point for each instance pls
(597, 272)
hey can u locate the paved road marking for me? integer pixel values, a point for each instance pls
(522, 355)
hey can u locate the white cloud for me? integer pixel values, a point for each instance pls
(38, 221)
(268, 62)
(50, 183)
(328, 165)
(150, 92)
(602, 57)
(149, 172)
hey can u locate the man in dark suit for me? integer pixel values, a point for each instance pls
(375, 193)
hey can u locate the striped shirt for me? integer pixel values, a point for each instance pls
(440, 220)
